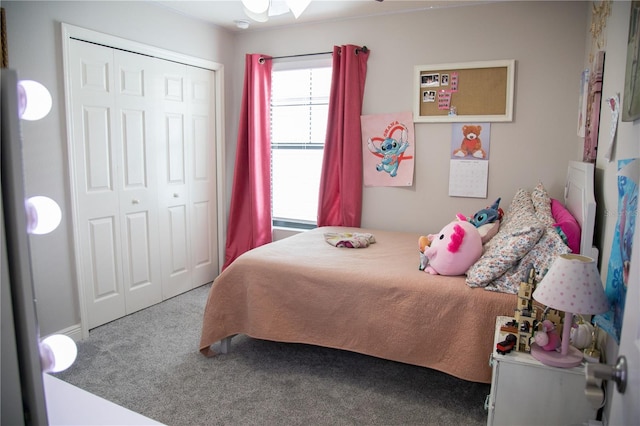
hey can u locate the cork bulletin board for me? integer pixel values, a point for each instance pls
(471, 91)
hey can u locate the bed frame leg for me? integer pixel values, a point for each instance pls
(222, 346)
(225, 345)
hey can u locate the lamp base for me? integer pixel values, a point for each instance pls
(573, 358)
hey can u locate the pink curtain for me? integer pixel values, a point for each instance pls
(340, 198)
(250, 212)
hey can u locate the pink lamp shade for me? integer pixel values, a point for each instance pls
(572, 285)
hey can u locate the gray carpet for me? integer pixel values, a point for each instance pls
(149, 362)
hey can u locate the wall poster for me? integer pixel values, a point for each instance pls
(388, 149)
(620, 258)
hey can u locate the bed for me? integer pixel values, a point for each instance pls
(377, 302)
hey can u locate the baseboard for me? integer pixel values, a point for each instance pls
(75, 332)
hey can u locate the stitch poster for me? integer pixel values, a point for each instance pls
(388, 149)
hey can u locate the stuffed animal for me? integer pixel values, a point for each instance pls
(547, 338)
(454, 249)
(423, 243)
(489, 214)
(581, 334)
(486, 220)
(471, 143)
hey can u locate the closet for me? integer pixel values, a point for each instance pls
(143, 176)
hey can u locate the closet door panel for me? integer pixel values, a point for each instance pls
(174, 137)
(102, 250)
(101, 267)
(177, 274)
(202, 255)
(142, 290)
(202, 176)
(174, 192)
(139, 245)
(96, 187)
(134, 145)
(179, 237)
(136, 103)
(97, 148)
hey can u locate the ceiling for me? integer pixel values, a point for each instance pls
(225, 13)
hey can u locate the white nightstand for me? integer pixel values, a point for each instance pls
(527, 392)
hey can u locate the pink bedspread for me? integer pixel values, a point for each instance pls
(371, 300)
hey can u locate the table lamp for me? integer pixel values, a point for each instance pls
(572, 285)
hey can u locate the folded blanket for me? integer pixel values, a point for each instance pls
(349, 239)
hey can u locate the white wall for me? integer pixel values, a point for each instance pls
(35, 51)
(545, 38)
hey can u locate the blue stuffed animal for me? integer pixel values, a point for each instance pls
(487, 215)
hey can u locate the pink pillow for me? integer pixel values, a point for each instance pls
(567, 224)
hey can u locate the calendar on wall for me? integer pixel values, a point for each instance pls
(468, 178)
(469, 163)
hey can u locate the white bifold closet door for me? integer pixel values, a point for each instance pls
(143, 177)
(187, 178)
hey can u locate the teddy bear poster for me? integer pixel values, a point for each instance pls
(470, 141)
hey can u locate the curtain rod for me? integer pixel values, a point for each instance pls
(363, 49)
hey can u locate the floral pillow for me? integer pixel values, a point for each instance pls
(541, 256)
(518, 233)
(542, 205)
(521, 204)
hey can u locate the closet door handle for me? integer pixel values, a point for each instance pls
(135, 201)
(176, 195)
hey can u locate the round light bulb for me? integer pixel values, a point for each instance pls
(34, 100)
(57, 353)
(43, 215)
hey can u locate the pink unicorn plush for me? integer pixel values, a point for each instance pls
(548, 338)
(454, 249)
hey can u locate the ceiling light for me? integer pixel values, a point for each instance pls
(258, 17)
(260, 10)
(298, 6)
(256, 6)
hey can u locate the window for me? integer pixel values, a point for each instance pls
(299, 109)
